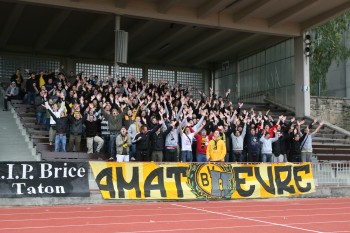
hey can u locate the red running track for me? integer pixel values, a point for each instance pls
(256, 216)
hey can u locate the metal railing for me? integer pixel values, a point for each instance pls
(331, 174)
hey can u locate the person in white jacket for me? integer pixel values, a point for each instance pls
(266, 150)
(237, 143)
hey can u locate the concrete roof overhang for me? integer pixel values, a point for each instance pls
(192, 33)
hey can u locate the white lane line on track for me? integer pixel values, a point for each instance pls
(180, 214)
(249, 219)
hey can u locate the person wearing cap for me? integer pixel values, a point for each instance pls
(10, 94)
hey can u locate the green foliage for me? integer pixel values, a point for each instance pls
(327, 46)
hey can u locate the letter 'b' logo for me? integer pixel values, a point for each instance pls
(210, 180)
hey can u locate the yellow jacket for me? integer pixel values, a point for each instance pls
(216, 150)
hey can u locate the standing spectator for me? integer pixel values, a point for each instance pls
(76, 130)
(57, 112)
(105, 133)
(279, 147)
(253, 145)
(123, 143)
(186, 143)
(266, 150)
(40, 109)
(142, 141)
(171, 144)
(61, 131)
(133, 130)
(115, 122)
(237, 143)
(158, 141)
(10, 94)
(306, 145)
(92, 134)
(216, 150)
(295, 148)
(31, 88)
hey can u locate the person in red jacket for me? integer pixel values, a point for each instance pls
(202, 143)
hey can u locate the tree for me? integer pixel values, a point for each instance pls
(327, 46)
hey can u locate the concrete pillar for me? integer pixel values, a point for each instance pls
(302, 79)
(70, 65)
(117, 27)
(207, 80)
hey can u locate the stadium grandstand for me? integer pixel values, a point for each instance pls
(126, 100)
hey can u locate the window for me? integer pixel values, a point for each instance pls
(92, 69)
(154, 75)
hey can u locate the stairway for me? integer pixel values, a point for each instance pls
(13, 145)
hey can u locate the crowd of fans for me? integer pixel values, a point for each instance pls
(130, 119)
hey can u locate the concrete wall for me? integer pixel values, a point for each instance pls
(332, 109)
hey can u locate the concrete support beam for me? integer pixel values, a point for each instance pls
(302, 79)
(283, 16)
(231, 44)
(324, 17)
(52, 29)
(189, 47)
(181, 15)
(121, 3)
(167, 37)
(165, 5)
(246, 12)
(211, 7)
(95, 28)
(11, 24)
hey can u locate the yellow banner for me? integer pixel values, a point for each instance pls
(201, 180)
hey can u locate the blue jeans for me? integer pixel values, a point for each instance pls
(266, 157)
(132, 151)
(112, 146)
(186, 156)
(41, 118)
(31, 97)
(60, 139)
(201, 158)
(237, 156)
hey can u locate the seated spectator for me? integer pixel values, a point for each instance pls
(10, 94)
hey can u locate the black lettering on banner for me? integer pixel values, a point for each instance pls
(270, 189)
(283, 185)
(44, 179)
(156, 173)
(204, 179)
(133, 184)
(298, 179)
(177, 172)
(107, 172)
(242, 181)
